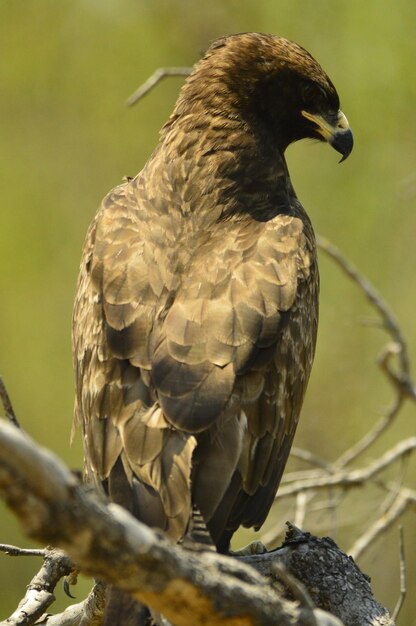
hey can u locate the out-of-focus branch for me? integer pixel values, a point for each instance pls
(349, 478)
(386, 420)
(312, 459)
(401, 379)
(7, 404)
(403, 581)
(405, 498)
(386, 314)
(343, 479)
(154, 79)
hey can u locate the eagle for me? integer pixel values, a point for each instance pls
(196, 310)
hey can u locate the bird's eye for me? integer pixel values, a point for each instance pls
(313, 95)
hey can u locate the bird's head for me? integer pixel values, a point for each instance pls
(277, 85)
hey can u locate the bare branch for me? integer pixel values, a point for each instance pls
(401, 380)
(87, 613)
(302, 500)
(154, 79)
(403, 583)
(7, 404)
(39, 594)
(313, 459)
(15, 551)
(405, 497)
(387, 316)
(346, 479)
(371, 437)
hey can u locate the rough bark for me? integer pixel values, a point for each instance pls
(332, 578)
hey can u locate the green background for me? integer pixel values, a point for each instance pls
(66, 68)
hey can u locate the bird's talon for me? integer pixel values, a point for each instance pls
(255, 547)
(69, 580)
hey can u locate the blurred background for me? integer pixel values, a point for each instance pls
(66, 138)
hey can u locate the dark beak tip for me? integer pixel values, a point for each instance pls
(343, 143)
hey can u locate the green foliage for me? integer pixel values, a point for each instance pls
(66, 68)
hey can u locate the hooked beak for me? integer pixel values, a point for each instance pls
(335, 130)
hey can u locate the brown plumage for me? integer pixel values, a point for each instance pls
(196, 312)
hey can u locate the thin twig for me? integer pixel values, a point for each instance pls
(302, 500)
(394, 488)
(369, 438)
(292, 477)
(328, 504)
(7, 404)
(403, 583)
(15, 551)
(39, 593)
(154, 79)
(404, 498)
(389, 320)
(346, 479)
(313, 459)
(401, 380)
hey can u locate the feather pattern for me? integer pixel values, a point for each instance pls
(196, 311)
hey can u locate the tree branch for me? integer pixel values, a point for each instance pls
(349, 478)
(154, 79)
(332, 578)
(106, 542)
(386, 314)
(39, 594)
(15, 551)
(401, 380)
(403, 582)
(87, 613)
(404, 498)
(7, 404)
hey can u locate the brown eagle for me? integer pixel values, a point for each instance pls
(196, 311)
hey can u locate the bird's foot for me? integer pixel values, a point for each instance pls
(70, 581)
(255, 547)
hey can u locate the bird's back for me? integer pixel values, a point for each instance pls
(194, 340)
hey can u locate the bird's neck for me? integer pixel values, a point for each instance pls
(228, 158)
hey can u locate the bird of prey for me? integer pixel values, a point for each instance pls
(196, 310)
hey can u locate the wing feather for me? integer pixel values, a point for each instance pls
(178, 383)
